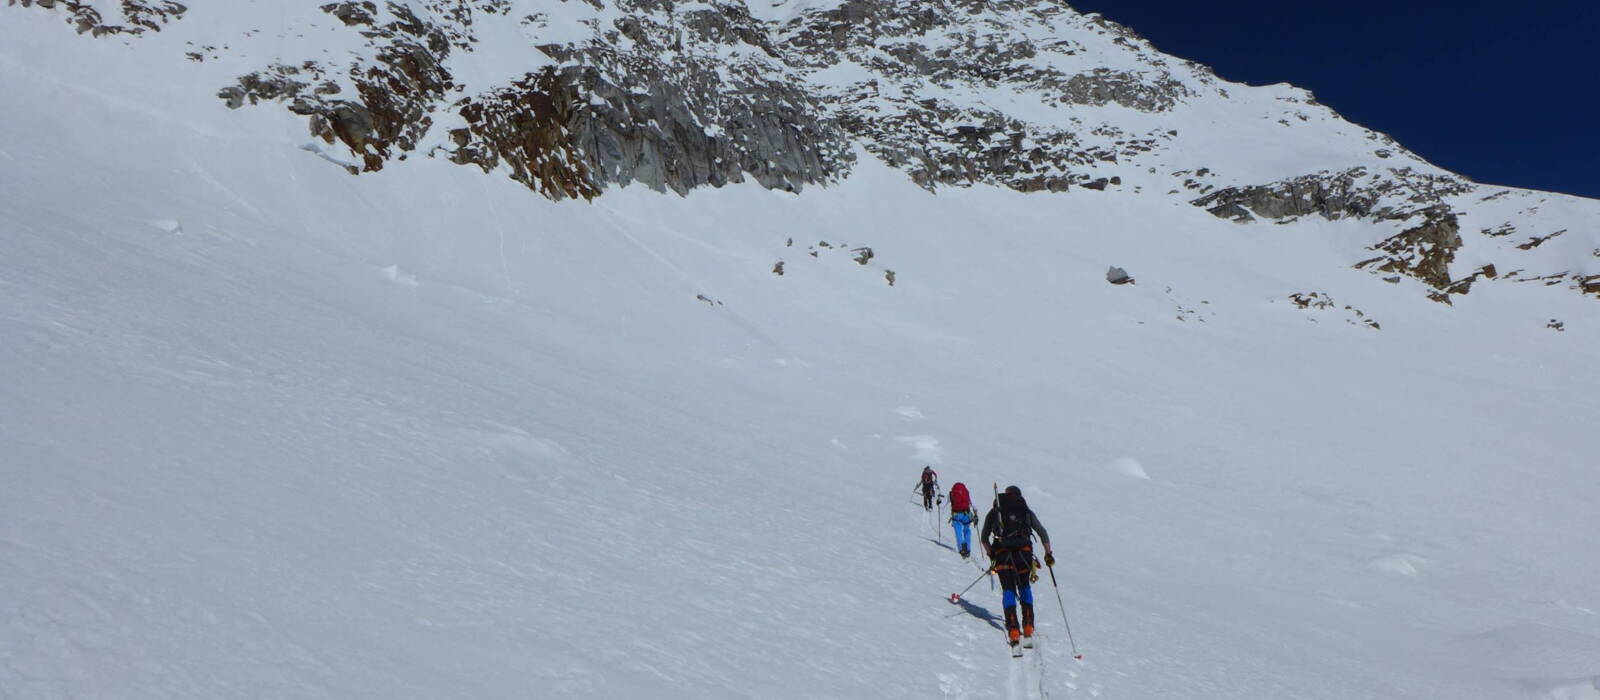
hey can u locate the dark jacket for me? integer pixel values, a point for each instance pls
(991, 527)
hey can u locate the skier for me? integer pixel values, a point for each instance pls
(962, 517)
(1007, 538)
(929, 486)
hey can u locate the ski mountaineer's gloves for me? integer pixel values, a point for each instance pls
(1049, 559)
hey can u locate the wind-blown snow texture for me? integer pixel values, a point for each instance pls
(270, 430)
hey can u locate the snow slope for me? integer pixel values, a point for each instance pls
(269, 430)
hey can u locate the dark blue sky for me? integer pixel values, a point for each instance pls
(1506, 93)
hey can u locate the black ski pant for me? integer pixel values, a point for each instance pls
(927, 495)
(1015, 569)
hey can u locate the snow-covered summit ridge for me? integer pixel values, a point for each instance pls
(1028, 94)
(574, 96)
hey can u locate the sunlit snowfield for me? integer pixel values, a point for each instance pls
(270, 430)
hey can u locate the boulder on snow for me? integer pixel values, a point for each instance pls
(1117, 275)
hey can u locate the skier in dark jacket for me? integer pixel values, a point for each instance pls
(929, 485)
(1007, 537)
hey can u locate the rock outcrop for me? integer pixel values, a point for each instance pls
(914, 54)
(654, 99)
(571, 97)
(1424, 251)
(136, 16)
(1395, 193)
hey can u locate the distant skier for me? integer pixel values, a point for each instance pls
(929, 485)
(1007, 537)
(962, 517)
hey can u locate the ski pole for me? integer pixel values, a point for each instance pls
(993, 506)
(956, 597)
(1063, 608)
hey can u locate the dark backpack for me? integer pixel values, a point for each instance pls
(1014, 528)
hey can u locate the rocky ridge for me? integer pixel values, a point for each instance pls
(673, 100)
(1025, 94)
(912, 60)
(131, 17)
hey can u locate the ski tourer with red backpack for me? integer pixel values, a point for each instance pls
(962, 517)
(1007, 537)
(928, 485)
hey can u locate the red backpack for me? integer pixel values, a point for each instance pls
(959, 500)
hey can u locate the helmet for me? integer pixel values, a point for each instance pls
(1013, 491)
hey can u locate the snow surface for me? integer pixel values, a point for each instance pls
(269, 430)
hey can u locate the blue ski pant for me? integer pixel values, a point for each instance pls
(962, 522)
(1009, 598)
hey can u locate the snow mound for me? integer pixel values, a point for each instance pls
(927, 448)
(394, 274)
(1582, 689)
(172, 226)
(1127, 466)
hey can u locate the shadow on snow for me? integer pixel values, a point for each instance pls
(970, 608)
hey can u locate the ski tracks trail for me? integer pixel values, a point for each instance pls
(1054, 673)
(977, 650)
(1027, 676)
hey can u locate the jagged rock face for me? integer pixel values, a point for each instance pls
(1396, 193)
(394, 97)
(678, 95)
(1424, 251)
(673, 112)
(137, 16)
(523, 126)
(913, 53)
(1025, 94)
(668, 109)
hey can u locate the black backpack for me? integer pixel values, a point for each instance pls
(1014, 528)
